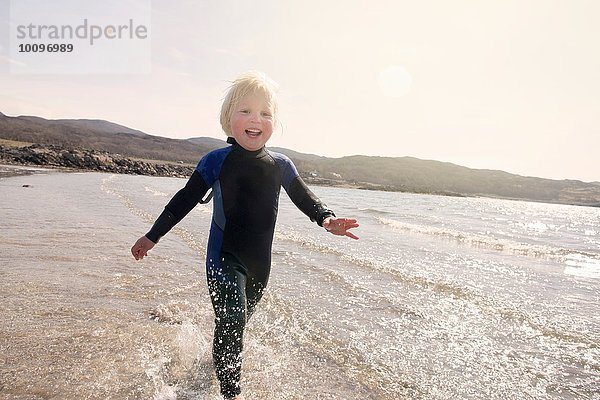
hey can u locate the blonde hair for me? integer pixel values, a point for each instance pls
(249, 82)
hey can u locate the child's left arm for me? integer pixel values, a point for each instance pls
(310, 204)
(340, 226)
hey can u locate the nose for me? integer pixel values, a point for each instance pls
(255, 117)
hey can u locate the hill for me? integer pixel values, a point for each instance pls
(381, 173)
(102, 136)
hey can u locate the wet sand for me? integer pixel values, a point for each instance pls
(8, 170)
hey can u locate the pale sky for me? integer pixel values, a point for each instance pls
(509, 85)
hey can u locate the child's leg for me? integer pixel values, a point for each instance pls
(254, 292)
(227, 291)
(234, 296)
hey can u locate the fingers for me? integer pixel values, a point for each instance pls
(348, 224)
(136, 251)
(340, 227)
(140, 249)
(351, 235)
(140, 254)
(345, 233)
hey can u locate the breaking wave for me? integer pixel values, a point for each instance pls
(477, 240)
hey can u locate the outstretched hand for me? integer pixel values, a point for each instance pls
(340, 226)
(141, 248)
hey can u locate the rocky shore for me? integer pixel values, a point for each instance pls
(89, 160)
(94, 160)
(78, 159)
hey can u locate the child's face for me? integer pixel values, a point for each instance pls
(252, 121)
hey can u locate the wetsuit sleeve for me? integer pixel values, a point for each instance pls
(299, 193)
(180, 205)
(307, 201)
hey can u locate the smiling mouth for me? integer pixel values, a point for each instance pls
(253, 132)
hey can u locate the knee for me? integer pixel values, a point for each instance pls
(229, 305)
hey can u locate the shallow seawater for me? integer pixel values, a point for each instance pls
(441, 298)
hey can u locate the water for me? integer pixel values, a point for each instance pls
(441, 298)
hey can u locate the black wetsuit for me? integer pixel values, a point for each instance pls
(245, 186)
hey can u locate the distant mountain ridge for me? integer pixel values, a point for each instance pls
(91, 124)
(384, 173)
(101, 135)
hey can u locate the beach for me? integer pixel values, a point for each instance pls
(440, 298)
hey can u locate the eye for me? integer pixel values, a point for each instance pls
(244, 111)
(267, 114)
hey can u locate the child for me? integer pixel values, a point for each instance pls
(245, 179)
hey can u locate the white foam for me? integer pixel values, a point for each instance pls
(582, 266)
(155, 191)
(476, 240)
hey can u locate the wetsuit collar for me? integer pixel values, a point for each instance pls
(231, 140)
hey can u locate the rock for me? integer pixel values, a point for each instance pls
(87, 159)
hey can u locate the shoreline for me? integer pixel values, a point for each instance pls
(34, 158)
(8, 170)
(12, 170)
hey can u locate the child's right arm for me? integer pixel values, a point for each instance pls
(180, 205)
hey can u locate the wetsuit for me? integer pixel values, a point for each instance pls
(245, 186)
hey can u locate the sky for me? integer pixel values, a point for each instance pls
(508, 85)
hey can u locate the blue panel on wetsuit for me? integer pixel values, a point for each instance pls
(210, 165)
(218, 212)
(213, 253)
(287, 168)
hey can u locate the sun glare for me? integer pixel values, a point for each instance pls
(395, 81)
